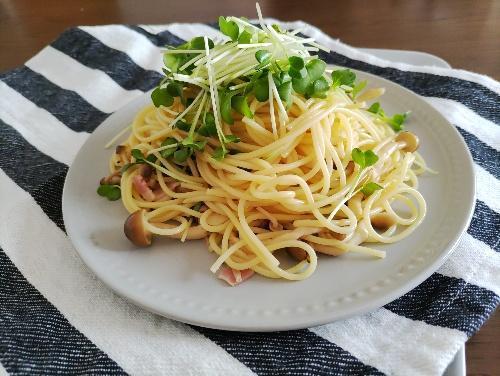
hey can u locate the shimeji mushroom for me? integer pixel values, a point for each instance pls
(409, 140)
(382, 221)
(135, 231)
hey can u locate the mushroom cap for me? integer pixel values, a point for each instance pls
(410, 140)
(349, 169)
(134, 229)
(382, 221)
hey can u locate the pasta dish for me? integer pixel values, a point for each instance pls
(252, 143)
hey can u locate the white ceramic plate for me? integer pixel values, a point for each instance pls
(173, 278)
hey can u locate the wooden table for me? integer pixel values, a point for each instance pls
(466, 33)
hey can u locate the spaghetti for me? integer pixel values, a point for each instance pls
(312, 174)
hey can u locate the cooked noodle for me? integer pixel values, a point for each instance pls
(253, 147)
(293, 191)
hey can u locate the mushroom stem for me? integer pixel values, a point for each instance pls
(193, 233)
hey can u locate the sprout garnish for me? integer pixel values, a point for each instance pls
(216, 79)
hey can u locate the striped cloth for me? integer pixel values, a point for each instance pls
(55, 317)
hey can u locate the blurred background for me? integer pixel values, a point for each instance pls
(466, 33)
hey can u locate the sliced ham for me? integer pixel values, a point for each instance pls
(141, 186)
(159, 194)
(233, 276)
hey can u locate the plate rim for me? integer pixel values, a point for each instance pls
(373, 303)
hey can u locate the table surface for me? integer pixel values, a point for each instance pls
(466, 33)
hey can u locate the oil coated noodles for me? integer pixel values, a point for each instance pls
(254, 145)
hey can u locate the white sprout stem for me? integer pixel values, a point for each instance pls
(198, 113)
(114, 139)
(221, 56)
(239, 86)
(235, 56)
(161, 148)
(283, 114)
(194, 81)
(213, 94)
(275, 33)
(215, 53)
(237, 74)
(259, 14)
(234, 68)
(322, 48)
(181, 115)
(171, 112)
(192, 61)
(239, 21)
(271, 104)
(251, 45)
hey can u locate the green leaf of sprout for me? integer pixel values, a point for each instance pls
(396, 122)
(376, 109)
(298, 73)
(169, 141)
(219, 153)
(139, 157)
(198, 43)
(199, 145)
(300, 85)
(364, 158)
(172, 62)
(261, 89)
(188, 142)
(370, 187)
(285, 77)
(111, 192)
(315, 69)
(357, 88)
(229, 28)
(239, 103)
(296, 62)
(225, 106)
(358, 157)
(319, 88)
(370, 158)
(182, 154)
(285, 92)
(245, 37)
(151, 158)
(277, 28)
(174, 89)
(182, 125)
(137, 154)
(263, 57)
(209, 128)
(161, 97)
(197, 206)
(228, 138)
(343, 77)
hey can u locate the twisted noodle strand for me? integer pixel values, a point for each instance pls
(290, 186)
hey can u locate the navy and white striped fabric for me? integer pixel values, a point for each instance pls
(55, 317)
